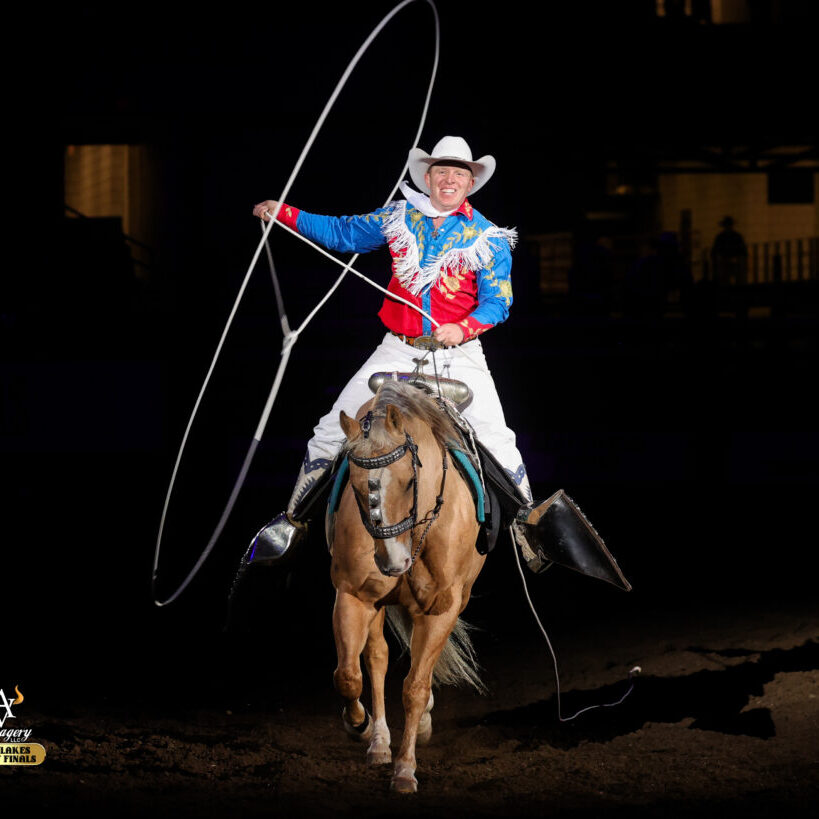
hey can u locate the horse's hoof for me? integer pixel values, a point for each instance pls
(402, 784)
(376, 758)
(403, 780)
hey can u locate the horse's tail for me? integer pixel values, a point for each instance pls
(457, 664)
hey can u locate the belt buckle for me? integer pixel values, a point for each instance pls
(427, 343)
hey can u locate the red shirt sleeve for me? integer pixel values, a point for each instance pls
(288, 215)
(472, 328)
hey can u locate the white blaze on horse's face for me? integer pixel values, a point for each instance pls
(384, 482)
(393, 555)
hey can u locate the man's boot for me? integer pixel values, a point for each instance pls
(536, 561)
(277, 539)
(274, 540)
(512, 504)
(534, 558)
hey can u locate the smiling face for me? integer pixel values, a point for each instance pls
(449, 185)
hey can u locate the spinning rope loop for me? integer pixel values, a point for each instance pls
(290, 336)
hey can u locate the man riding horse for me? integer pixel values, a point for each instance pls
(454, 264)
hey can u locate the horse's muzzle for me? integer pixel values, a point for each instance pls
(393, 567)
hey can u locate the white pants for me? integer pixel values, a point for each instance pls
(465, 363)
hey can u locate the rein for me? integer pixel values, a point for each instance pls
(372, 521)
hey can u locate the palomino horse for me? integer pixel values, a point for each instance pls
(403, 546)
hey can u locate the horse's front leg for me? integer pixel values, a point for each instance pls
(376, 658)
(351, 623)
(429, 637)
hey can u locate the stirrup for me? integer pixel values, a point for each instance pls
(557, 531)
(274, 541)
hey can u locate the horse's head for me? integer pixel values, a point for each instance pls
(384, 476)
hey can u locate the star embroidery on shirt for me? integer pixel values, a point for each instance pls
(470, 232)
(454, 239)
(450, 283)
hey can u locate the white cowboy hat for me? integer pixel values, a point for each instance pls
(450, 148)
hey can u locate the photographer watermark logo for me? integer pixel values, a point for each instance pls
(15, 749)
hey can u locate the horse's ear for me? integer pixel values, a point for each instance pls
(351, 428)
(394, 421)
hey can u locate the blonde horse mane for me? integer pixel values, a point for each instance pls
(412, 402)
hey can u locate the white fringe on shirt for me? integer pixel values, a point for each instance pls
(407, 267)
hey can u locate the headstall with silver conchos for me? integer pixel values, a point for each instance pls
(372, 521)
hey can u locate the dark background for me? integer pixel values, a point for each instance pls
(690, 442)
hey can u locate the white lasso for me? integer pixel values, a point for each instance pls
(290, 337)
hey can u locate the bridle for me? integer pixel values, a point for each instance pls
(373, 517)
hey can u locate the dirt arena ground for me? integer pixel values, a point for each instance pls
(722, 719)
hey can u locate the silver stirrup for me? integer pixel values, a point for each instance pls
(273, 541)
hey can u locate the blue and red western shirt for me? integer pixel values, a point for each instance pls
(459, 273)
